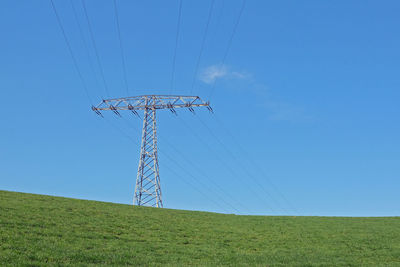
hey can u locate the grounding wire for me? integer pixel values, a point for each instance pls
(121, 47)
(95, 48)
(229, 44)
(176, 46)
(71, 51)
(202, 45)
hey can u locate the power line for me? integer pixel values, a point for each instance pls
(101, 69)
(198, 190)
(197, 169)
(229, 44)
(246, 171)
(205, 176)
(202, 45)
(91, 65)
(176, 46)
(218, 20)
(148, 177)
(121, 47)
(170, 169)
(95, 48)
(71, 52)
(177, 164)
(234, 174)
(255, 164)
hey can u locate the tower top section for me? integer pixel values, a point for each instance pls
(143, 102)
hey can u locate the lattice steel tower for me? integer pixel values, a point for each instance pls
(148, 187)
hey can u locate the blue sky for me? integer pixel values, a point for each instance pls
(306, 104)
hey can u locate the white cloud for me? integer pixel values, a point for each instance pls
(211, 73)
(240, 75)
(277, 110)
(214, 72)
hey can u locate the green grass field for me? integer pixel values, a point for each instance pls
(44, 230)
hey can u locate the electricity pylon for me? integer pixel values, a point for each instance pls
(148, 187)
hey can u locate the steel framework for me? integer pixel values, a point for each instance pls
(148, 187)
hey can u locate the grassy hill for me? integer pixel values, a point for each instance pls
(36, 229)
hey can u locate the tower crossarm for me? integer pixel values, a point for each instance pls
(143, 102)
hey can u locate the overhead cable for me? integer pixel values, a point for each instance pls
(95, 48)
(257, 166)
(71, 51)
(81, 33)
(202, 45)
(240, 164)
(164, 140)
(176, 46)
(174, 161)
(121, 48)
(229, 44)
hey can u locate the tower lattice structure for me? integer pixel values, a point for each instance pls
(148, 186)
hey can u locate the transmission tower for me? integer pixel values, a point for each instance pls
(148, 187)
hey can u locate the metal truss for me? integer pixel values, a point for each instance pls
(143, 102)
(148, 187)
